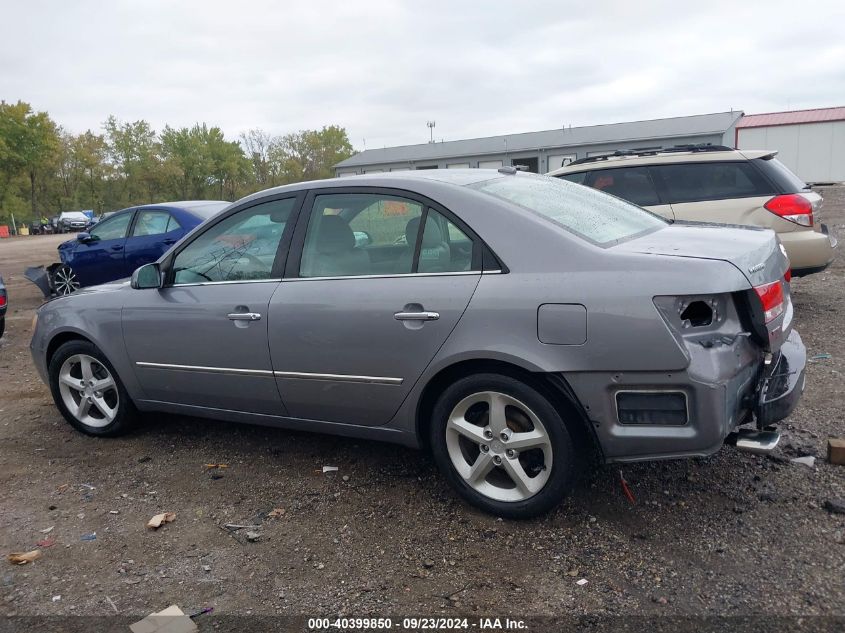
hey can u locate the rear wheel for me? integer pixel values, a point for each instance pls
(65, 280)
(88, 391)
(2, 326)
(503, 446)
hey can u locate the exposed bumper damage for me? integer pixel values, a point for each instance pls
(730, 381)
(782, 384)
(43, 278)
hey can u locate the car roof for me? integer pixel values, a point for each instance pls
(199, 208)
(406, 179)
(655, 157)
(186, 205)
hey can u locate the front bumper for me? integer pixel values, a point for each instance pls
(43, 278)
(782, 384)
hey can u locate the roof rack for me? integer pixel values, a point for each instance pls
(651, 151)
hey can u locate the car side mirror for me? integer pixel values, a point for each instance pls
(84, 237)
(147, 276)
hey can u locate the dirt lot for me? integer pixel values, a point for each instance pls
(734, 534)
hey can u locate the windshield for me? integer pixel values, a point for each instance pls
(597, 217)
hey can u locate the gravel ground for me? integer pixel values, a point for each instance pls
(734, 534)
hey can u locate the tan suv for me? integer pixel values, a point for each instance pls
(707, 183)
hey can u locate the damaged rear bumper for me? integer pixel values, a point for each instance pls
(782, 383)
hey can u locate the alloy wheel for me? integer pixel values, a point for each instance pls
(88, 390)
(65, 280)
(499, 446)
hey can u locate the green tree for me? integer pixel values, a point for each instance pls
(134, 154)
(45, 169)
(257, 145)
(310, 154)
(29, 142)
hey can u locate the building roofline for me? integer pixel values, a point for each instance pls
(739, 114)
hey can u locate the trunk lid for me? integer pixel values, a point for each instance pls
(754, 251)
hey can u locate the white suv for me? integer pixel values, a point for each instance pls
(73, 221)
(707, 183)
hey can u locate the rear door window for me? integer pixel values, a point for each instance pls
(355, 234)
(629, 183)
(154, 223)
(697, 182)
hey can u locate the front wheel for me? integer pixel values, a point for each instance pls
(503, 446)
(65, 280)
(88, 391)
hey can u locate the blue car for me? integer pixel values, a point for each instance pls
(127, 239)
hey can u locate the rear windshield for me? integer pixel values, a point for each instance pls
(597, 217)
(781, 175)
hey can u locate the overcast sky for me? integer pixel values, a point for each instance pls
(382, 69)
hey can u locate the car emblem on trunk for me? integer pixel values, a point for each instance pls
(756, 268)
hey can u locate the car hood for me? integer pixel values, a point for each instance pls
(755, 252)
(112, 286)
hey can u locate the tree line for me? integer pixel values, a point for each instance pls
(45, 169)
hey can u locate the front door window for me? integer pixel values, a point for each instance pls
(243, 247)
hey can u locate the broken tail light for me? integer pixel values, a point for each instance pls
(771, 298)
(792, 207)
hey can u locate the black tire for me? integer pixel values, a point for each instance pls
(563, 471)
(126, 414)
(2, 326)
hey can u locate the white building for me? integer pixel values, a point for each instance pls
(541, 152)
(810, 142)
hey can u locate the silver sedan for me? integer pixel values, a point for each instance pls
(515, 325)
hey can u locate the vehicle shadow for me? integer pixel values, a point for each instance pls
(689, 488)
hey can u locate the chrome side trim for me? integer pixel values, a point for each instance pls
(207, 370)
(391, 276)
(373, 380)
(225, 283)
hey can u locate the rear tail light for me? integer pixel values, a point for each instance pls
(793, 207)
(2, 299)
(787, 276)
(771, 297)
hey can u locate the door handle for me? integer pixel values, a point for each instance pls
(416, 316)
(117, 248)
(169, 241)
(244, 316)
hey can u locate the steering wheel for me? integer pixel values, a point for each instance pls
(254, 262)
